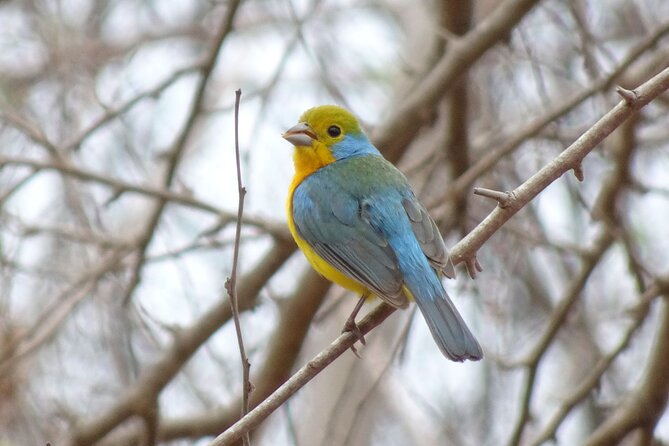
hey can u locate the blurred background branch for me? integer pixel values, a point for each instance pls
(118, 199)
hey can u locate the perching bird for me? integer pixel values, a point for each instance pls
(358, 222)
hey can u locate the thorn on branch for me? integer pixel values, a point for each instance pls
(504, 199)
(629, 96)
(578, 171)
(473, 266)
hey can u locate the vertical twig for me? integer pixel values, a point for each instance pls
(231, 282)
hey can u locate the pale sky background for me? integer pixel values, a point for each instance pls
(364, 51)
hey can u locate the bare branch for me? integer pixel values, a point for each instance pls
(302, 377)
(231, 283)
(173, 156)
(403, 125)
(642, 408)
(487, 161)
(556, 168)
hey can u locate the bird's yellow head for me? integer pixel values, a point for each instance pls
(326, 134)
(327, 124)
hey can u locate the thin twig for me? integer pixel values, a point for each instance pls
(231, 282)
(110, 115)
(630, 96)
(503, 198)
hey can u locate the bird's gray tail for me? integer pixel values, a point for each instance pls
(448, 328)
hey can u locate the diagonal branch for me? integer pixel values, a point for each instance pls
(490, 158)
(417, 108)
(569, 159)
(302, 377)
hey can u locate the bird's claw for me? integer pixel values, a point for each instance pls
(352, 327)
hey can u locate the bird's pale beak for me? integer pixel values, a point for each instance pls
(300, 135)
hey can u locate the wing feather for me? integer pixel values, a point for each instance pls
(428, 235)
(333, 224)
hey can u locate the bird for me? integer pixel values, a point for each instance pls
(358, 222)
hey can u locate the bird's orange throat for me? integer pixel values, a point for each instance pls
(308, 160)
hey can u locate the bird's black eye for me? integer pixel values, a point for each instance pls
(334, 131)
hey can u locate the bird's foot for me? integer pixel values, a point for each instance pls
(352, 327)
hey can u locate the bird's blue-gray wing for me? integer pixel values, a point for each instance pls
(336, 226)
(428, 235)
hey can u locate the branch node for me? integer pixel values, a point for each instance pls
(473, 266)
(578, 171)
(478, 266)
(504, 199)
(629, 96)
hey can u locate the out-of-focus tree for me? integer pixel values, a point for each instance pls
(118, 209)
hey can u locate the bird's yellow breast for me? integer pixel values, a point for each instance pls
(308, 160)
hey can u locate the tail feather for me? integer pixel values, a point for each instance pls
(423, 284)
(448, 328)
